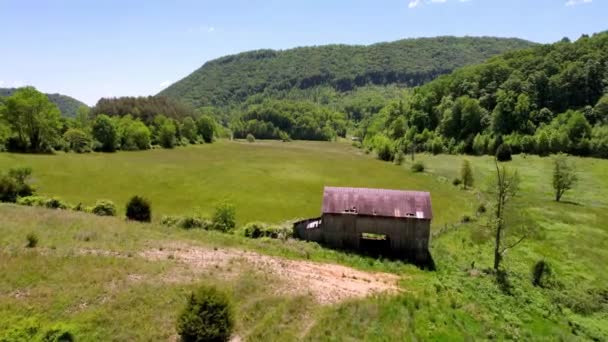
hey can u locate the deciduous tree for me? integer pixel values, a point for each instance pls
(564, 176)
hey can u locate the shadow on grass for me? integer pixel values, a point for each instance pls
(571, 203)
(422, 260)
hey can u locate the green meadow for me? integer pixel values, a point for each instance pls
(267, 181)
(113, 293)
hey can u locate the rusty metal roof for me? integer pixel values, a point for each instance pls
(377, 202)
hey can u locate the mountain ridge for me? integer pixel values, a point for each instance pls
(231, 79)
(66, 104)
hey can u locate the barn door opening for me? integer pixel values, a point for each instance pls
(375, 244)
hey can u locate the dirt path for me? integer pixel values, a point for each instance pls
(327, 283)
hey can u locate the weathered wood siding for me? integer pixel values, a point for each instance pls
(408, 237)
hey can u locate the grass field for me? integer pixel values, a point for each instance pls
(115, 294)
(267, 181)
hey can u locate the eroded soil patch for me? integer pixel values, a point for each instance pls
(327, 283)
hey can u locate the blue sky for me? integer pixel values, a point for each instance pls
(92, 49)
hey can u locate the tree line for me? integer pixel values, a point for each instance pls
(30, 122)
(284, 119)
(546, 99)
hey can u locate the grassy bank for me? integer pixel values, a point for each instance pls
(116, 294)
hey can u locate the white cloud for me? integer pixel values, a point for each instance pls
(1, 83)
(414, 3)
(577, 2)
(418, 3)
(164, 84)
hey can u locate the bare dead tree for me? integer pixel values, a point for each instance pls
(507, 184)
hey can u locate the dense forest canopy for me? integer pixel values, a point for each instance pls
(233, 79)
(284, 119)
(30, 122)
(144, 108)
(549, 98)
(68, 106)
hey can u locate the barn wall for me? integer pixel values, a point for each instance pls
(408, 236)
(314, 234)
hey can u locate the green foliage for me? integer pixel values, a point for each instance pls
(503, 153)
(466, 174)
(233, 79)
(55, 203)
(33, 119)
(105, 132)
(276, 119)
(78, 140)
(32, 201)
(512, 96)
(104, 208)
(133, 134)
(600, 111)
(383, 147)
(540, 273)
(208, 316)
(143, 108)
(186, 222)
(224, 217)
(165, 131)
(206, 128)
(138, 209)
(418, 166)
(564, 176)
(15, 184)
(189, 130)
(256, 230)
(68, 106)
(250, 138)
(399, 157)
(32, 240)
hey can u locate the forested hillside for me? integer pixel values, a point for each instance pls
(144, 107)
(232, 79)
(68, 106)
(546, 99)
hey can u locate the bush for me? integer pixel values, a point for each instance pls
(169, 221)
(481, 209)
(58, 333)
(418, 167)
(540, 273)
(466, 174)
(32, 201)
(399, 157)
(138, 209)
(456, 181)
(208, 316)
(55, 203)
(104, 208)
(32, 240)
(256, 230)
(224, 218)
(78, 140)
(383, 147)
(186, 222)
(14, 184)
(250, 138)
(503, 153)
(465, 219)
(190, 222)
(8, 189)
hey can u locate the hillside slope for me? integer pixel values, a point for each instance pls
(66, 104)
(231, 79)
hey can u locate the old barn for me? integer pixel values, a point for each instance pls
(388, 222)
